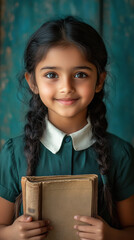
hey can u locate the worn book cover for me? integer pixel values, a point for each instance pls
(59, 199)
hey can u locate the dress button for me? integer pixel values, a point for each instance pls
(67, 139)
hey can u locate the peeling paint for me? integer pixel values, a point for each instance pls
(8, 50)
(8, 57)
(48, 7)
(10, 36)
(11, 18)
(127, 34)
(9, 116)
(3, 85)
(6, 130)
(2, 142)
(2, 9)
(3, 74)
(73, 8)
(131, 2)
(2, 34)
(16, 4)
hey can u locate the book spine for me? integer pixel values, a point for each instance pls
(32, 202)
(96, 197)
(23, 185)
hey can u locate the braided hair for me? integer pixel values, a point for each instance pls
(97, 113)
(68, 31)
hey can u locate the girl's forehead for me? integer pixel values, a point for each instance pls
(68, 56)
(62, 51)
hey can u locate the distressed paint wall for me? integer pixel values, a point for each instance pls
(118, 33)
(20, 18)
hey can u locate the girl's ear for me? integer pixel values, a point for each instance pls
(100, 83)
(30, 82)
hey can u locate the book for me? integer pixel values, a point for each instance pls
(59, 199)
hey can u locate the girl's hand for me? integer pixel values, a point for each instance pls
(94, 228)
(24, 228)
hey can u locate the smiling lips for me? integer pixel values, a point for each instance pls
(67, 101)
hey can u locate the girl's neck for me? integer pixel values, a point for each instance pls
(68, 124)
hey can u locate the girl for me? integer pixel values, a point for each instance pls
(65, 133)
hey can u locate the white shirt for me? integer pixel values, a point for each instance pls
(52, 137)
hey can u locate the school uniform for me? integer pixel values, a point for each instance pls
(72, 154)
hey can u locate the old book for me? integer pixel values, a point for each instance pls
(59, 199)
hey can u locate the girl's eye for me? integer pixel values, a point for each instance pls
(80, 75)
(51, 75)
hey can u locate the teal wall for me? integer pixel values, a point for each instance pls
(115, 21)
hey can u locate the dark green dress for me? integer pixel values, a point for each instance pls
(67, 161)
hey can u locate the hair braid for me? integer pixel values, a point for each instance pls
(97, 112)
(33, 132)
(99, 126)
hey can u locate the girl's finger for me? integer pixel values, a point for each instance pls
(85, 228)
(86, 239)
(87, 236)
(86, 219)
(34, 225)
(37, 232)
(41, 237)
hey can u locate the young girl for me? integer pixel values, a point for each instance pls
(65, 133)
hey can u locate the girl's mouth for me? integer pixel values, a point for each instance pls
(67, 101)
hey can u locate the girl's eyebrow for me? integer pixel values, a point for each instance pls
(77, 67)
(83, 67)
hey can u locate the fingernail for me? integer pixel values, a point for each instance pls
(75, 226)
(75, 217)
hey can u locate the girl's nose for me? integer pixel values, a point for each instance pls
(66, 85)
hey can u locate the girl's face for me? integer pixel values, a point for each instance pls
(66, 82)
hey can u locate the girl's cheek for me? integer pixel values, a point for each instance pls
(46, 93)
(87, 91)
(46, 89)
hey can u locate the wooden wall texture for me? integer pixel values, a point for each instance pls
(113, 19)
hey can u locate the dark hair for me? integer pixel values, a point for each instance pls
(64, 32)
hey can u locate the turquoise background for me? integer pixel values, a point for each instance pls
(115, 22)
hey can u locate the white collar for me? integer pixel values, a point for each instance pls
(52, 137)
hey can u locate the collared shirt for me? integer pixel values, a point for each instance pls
(52, 137)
